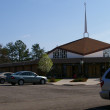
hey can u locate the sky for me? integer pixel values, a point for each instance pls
(52, 23)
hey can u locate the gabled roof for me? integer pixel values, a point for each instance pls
(84, 46)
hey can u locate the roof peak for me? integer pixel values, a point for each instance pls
(84, 46)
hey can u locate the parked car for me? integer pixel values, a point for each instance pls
(105, 85)
(1, 72)
(22, 77)
(4, 76)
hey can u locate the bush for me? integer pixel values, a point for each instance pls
(52, 80)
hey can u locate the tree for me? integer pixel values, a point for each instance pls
(37, 52)
(11, 51)
(18, 51)
(21, 51)
(4, 55)
(45, 63)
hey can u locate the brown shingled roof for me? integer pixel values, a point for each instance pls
(84, 46)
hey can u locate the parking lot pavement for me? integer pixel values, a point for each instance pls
(51, 97)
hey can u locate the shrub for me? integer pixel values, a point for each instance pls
(45, 63)
(52, 80)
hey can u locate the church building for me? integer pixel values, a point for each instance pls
(84, 57)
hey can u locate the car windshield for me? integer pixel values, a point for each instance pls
(5, 73)
(17, 73)
(35, 74)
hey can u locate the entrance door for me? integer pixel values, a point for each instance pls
(69, 71)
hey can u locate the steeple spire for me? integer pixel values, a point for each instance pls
(85, 25)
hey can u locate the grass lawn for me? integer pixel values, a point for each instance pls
(53, 80)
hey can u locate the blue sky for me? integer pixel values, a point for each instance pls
(52, 22)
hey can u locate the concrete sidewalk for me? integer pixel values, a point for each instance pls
(91, 81)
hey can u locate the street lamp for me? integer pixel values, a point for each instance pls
(81, 62)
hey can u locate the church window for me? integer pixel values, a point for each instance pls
(60, 53)
(106, 53)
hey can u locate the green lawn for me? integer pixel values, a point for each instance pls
(53, 80)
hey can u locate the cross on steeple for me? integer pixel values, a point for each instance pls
(85, 25)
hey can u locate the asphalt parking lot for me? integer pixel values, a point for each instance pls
(51, 97)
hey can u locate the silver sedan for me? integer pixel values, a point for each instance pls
(22, 77)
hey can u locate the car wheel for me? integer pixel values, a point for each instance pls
(13, 84)
(2, 81)
(42, 81)
(21, 82)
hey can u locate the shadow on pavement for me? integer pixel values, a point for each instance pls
(6, 85)
(107, 107)
(27, 84)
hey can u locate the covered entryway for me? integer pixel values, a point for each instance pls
(70, 70)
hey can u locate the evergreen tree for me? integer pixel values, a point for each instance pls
(37, 52)
(21, 51)
(11, 51)
(4, 55)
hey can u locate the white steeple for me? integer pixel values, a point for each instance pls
(85, 34)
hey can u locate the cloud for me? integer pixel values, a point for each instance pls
(26, 36)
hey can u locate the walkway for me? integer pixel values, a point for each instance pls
(91, 81)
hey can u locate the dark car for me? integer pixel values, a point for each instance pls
(4, 76)
(22, 77)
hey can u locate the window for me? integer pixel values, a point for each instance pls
(7, 74)
(106, 53)
(108, 75)
(17, 73)
(24, 73)
(30, 74)
(60, 53)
